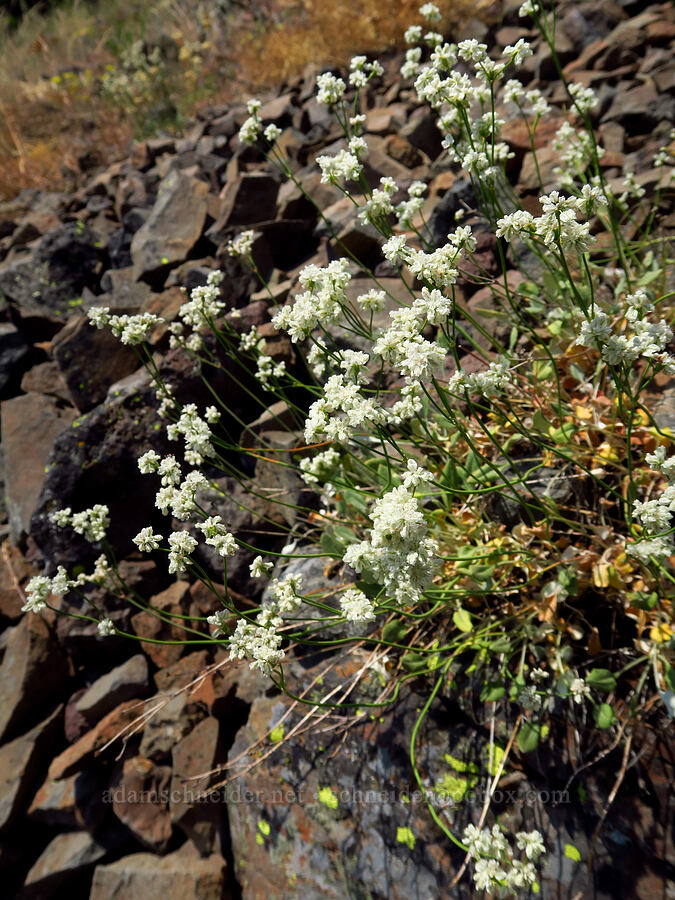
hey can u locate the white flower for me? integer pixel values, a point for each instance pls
(149, 462)
(532, 843)
(579, 690)
(99, 316)
(38, 590)
(259, 567)
(413, 34)
(241, 245)
(488, 874)
(146, 541)
(272, 133)
(105, 628)
(356, 607)
(430, 12)
(181, 546)
(330, 89)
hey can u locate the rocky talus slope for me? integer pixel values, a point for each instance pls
(82, 815)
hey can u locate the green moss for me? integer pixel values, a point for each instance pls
(328, 798)
(405, 836)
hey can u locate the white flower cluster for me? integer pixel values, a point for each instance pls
(330, 89)
(181, 545)
(490, 383)
(241, 245)
(204, 304)
(174, 494)
(90, 523)
(648, 340)
(378, 206)
(250, 130)
(407, 210)
(496, 870)
(361, 71)
(319, 468)
(217, 536)
(356, 607)
(260, 641)
(558, 222)
(321, 303)
(341, 411)
(402, 345)
(656, 515)
(344, 166)
(129, 329)
(40, 587)
(398, 553)
(268, 371)
(195, 432)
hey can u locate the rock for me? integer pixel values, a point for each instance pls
(328, 819)
(139, 792)
(22, 761)
(179, 876)
(248, 199)
(14, 573)
(13, 352)
(30, 653)
(45, 289)
(112, 726)
(95, 461)
(172, 229)
(170, 716)
(173, 601)
(71, 803)
(129, 680)
(64, 858)
(459, 196)
(30, 425)
(198, 814)
(641, 109)
(122, 292)
(46, 378)
(91, 360)
(422, 132)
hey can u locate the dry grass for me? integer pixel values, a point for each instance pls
(51, 108)
(328, 33)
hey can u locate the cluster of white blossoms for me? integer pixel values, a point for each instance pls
(320, 467)
(647, 340)
(329, 89)
(41, 587)
(344, 166)
(195, 432)
(320, 304)
(181, 545)
(217, 536)
(496, 870)
(268, 371)
(129, 329)
(558, 225)
(90, 523)
(341, 411)
(490, 383)
(398, 554)
(356, 607)
(176, 494)
(241, 245)
(656, 515)
(403, 346)
(260, 641)
(204, 305)
(361, 71)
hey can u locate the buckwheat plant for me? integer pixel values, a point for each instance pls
(470, 446)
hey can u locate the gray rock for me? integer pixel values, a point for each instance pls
(182, 875)
(129, 680)
(172, 229)
(65, 857)
(22, 761)
(30, 425)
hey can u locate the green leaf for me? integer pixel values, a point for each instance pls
(355, 499)
(492, 691)
(604, 715)
(394, 632)
(670, 677)
(528, 737)
(415, 662)
(571, 852)
(343, 534)
(462, 620)
(331, 546)
(601, 680)
(277, 734)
